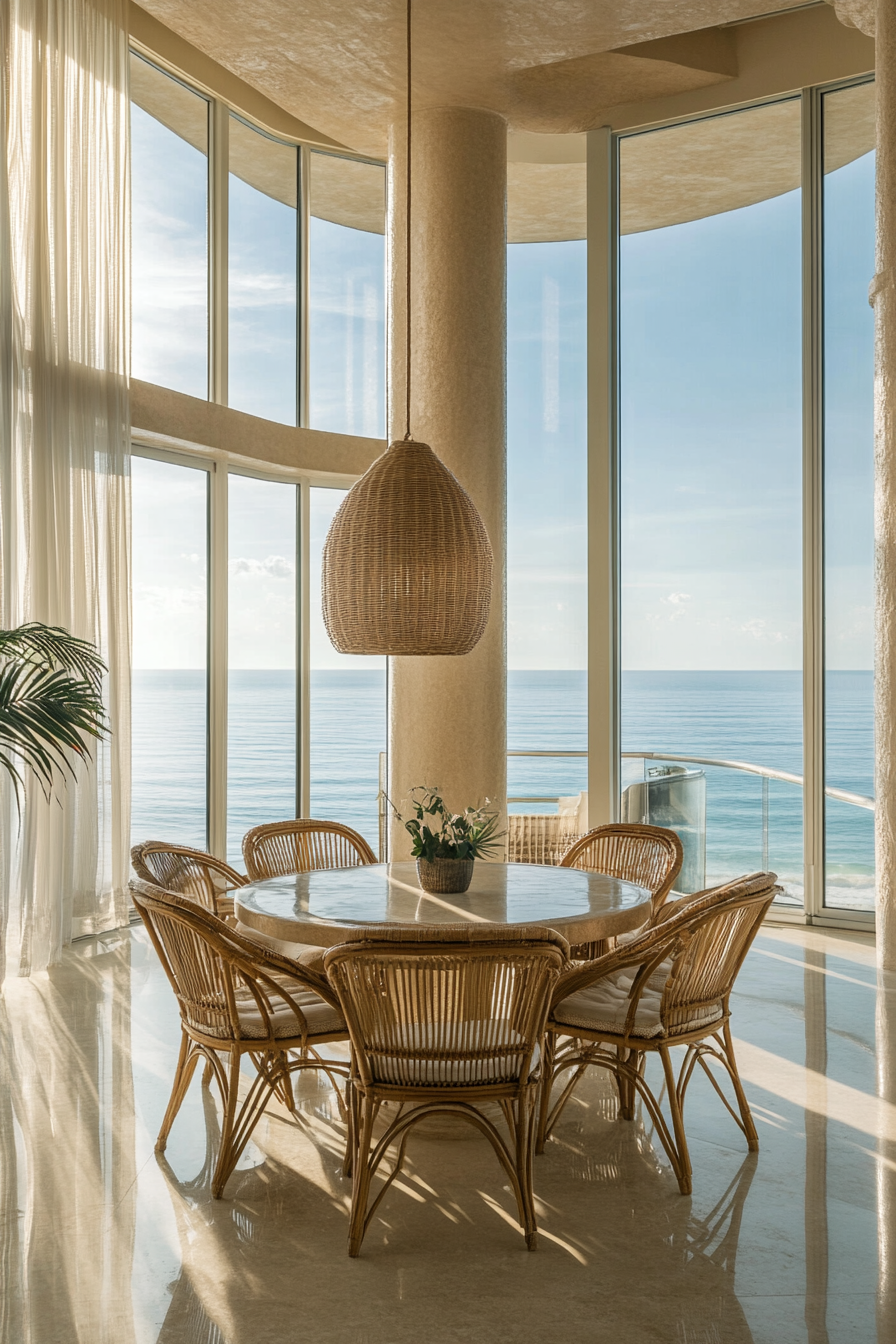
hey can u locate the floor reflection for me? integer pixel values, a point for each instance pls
(104, 1241)
(816, 1219)
(68, 1154)
(886, 1164)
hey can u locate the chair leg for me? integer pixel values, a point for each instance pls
(746, 1114)
(544, 1091)
(351, 1127)
(681, 1158)
(365, 1114)
(625, 1084)
(628, 1091)
(238, 1123)
(224, 1166)
(526, 1112)
(186, 1066)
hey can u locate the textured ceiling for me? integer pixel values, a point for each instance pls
(546, 65)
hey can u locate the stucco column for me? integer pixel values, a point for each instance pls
(884, 298)
(448, 716)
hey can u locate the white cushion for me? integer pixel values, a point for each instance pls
(603, 1006)
(322, 1019)
(408, 1071)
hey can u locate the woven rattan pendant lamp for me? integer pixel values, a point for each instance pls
(407, 564)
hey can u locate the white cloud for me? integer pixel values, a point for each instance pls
(275, 567)
(759, 630)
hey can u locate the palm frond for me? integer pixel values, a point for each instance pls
(50, 701)
(51, 646)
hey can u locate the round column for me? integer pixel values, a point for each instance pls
(448, 716)
(884, 298)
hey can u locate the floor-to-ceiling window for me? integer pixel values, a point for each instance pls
(711, 461)
(847, 123)
(169, 231)
(346, 310)
(170, 615)
(546, 525)
(287, 351)
(262, 279)
(262, 588)
(347, 707)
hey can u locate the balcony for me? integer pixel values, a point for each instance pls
(732, 817)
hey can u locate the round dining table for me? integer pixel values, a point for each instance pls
(318, 908)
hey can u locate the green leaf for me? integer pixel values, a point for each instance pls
(50, 701)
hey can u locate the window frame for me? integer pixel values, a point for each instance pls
(604, 433)
(220, 466)
(220, 111)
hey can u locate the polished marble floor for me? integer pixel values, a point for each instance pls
(103, 1243)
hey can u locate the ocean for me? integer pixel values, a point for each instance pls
(747, 716)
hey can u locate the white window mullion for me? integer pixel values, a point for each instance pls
(303, 654)
(217, 663)
(813, 528)
(218, 168)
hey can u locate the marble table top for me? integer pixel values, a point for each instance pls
(317, 907)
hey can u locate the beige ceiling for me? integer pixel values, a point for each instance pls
(687, 172)
(546, 65)
(343, 190)
(705, 167)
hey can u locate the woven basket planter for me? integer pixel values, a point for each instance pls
(445, 876)
(407, 564)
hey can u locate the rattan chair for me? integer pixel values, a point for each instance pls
(669, 987)
(279, 848)
(445, 1019)
(188, 872)
(237, 999)
(651, 856)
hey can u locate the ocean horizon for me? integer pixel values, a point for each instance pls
(742, 716)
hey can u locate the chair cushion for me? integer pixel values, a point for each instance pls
(407, 1071)
(604, 1005)
(322, 1019)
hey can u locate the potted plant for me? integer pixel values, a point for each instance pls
(50, 701)
(446, 844)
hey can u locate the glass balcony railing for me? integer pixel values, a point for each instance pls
(732, 816)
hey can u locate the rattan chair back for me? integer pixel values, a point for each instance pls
(650, 856)
(670, 986)
(223, 983)
(188, 872)
(280, 848)
(701, 947)
(449, 1008)
(237, 999)
(712, 940)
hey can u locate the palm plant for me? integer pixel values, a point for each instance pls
(51, 702)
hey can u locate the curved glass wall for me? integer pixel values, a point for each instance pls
(262, 599)
(848, 262)
(262, 279)
(711, 488)
(170, 651)
(546, 528)
(348, 709)
(169, 231)
(346, 301)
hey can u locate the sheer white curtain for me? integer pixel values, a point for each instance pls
(64, 445)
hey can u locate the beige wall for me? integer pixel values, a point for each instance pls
(159, 412)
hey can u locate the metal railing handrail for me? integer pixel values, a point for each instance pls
(764, 771)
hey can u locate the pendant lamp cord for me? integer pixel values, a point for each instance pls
(407, 433)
